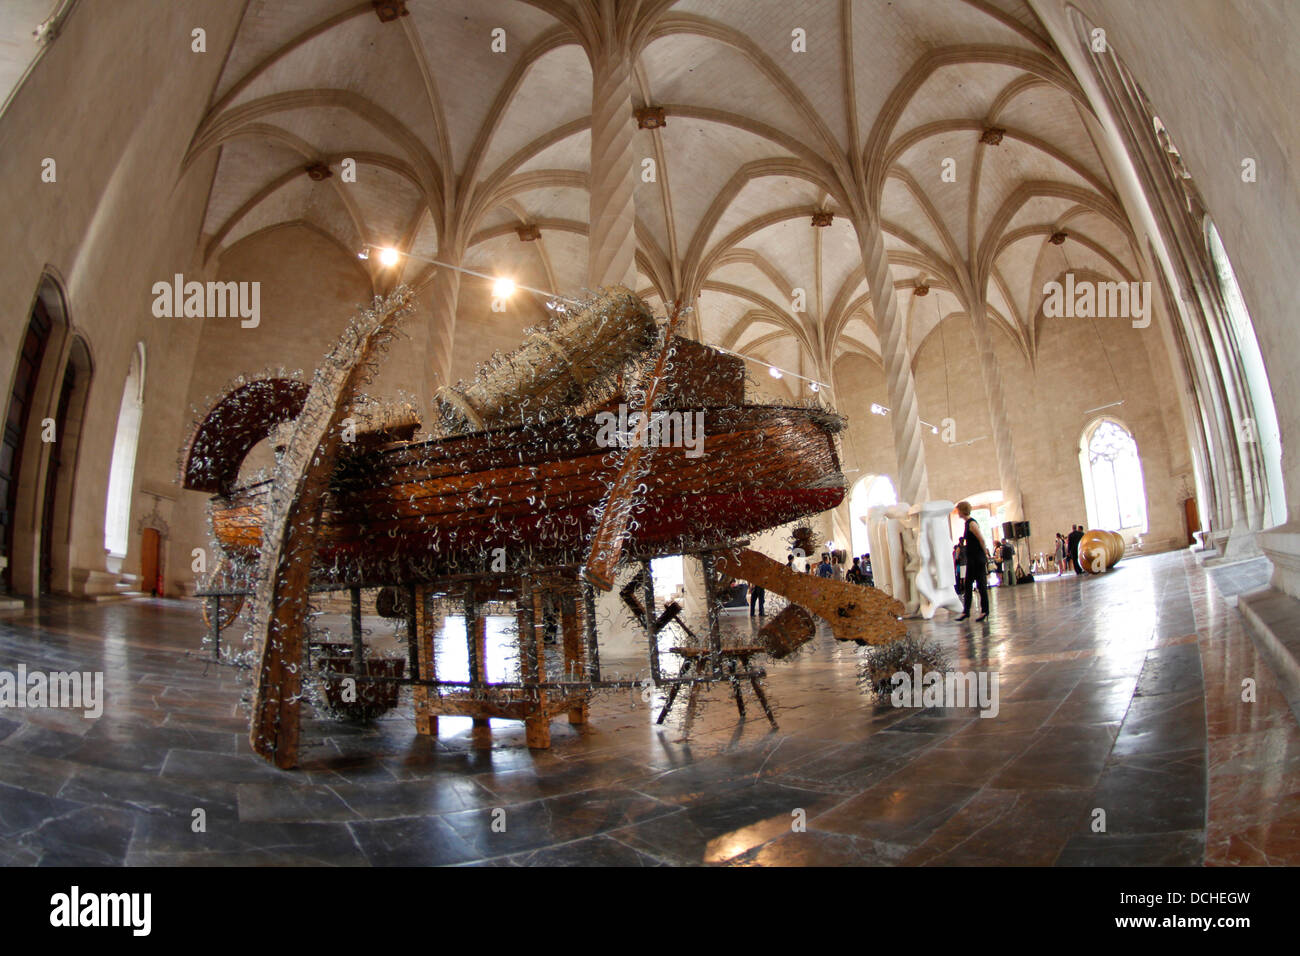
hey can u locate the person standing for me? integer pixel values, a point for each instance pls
(1072, 546)
(959, 562)
(756, 596)
(977, 569)
(1007, 555)
(1059, 556)
(824, 570)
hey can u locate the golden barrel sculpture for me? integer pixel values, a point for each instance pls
(1100, 550)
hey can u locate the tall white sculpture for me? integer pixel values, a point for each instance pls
(880, 569)
(911, 555)
(934, 581)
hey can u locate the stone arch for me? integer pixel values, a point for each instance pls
(24, 459)
(60, 482)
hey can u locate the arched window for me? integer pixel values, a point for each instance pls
(121, 476)
(1112, 478)
(869, 492)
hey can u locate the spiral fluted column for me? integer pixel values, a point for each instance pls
(444, 292)
(841, 518)
(1008, 472)
(611, 255)
(914, 483)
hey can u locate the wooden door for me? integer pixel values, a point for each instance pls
(15, 427)
(52, 480)
(150, 552)
(1193, 517)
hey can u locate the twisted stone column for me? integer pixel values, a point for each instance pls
(611, 251)
(914, 482)
(444, 291)
(1008, 473)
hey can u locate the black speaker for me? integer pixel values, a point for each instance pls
(1008, 529)
(1022, 529)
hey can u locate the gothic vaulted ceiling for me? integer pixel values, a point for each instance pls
(956, 119)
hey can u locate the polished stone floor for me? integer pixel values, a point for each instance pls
(1121, 693)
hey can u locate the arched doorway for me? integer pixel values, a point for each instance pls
(61, 469)
(868, 492)
(989, 510)
(31, 431)
(22, 395)
(1113, 488)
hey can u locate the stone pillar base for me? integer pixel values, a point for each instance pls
(1232, 546)
(87, 583)
(1282, 546)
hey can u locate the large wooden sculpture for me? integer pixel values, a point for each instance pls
(520, 491)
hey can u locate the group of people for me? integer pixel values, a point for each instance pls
(1001, 557)
(1067, 549)
(971, 557)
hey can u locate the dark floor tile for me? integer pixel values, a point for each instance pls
(1185, 848)
(1166, 722)
(1154, 793)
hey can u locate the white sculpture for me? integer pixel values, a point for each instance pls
(875, 520)
(911, 555)
(934, 580)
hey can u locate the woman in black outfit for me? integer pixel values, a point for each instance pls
(977, 569)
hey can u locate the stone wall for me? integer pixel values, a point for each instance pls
(1047, 408)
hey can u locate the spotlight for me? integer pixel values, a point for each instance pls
(815, 386)
(364, 253)
(773, 371)
(389, 257)
(934, 430)
(503, 289)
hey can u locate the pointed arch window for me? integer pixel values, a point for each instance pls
(1115, 492)
(121, 476)
(867, 493)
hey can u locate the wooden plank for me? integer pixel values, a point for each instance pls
(537, 728)
(574, 650)
(607, 542)
(426, 629)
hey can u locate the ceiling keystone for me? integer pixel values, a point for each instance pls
(651, 117)
(390, 10)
